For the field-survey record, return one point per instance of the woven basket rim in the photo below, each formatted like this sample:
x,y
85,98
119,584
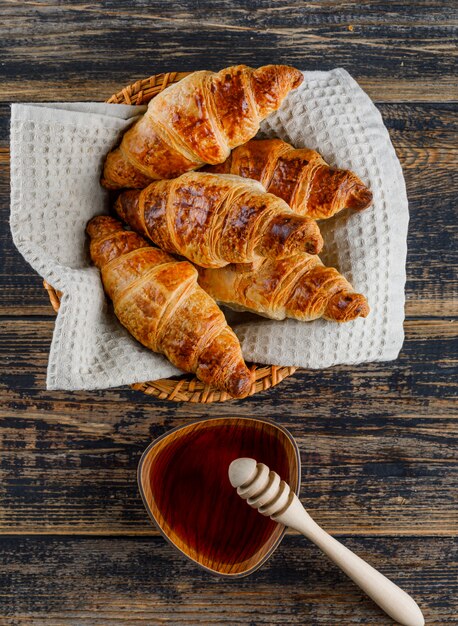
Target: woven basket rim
x,y
187,388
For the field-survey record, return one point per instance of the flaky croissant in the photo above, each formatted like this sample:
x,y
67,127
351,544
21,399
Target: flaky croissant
x,y
300,287
214,219
301,177
197,120
158,300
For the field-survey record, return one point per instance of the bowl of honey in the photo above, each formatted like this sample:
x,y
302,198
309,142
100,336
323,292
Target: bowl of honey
x,y
183,480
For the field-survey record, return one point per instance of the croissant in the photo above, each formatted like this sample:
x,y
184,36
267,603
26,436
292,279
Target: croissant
x,y
301,177
158,300
196,121
214,220
300,287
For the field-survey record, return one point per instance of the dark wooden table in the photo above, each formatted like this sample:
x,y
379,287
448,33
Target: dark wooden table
x,y
378,441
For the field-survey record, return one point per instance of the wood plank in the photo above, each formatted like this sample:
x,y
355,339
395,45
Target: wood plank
x,y
378,441
85,581
406,54
424,135
421,125
69,87
268,14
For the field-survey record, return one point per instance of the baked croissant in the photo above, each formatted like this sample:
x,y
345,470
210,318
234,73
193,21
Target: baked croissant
x,y
214,220
158,300
196,121
300,287
300,176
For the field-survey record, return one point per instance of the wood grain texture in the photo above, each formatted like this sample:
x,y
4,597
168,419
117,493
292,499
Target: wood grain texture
x,y
378,441
144,581
406,53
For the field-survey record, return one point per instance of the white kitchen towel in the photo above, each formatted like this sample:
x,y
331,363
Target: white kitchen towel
x,y
57,152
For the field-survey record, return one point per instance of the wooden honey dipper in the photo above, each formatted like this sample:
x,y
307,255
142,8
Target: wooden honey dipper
x,y
271,496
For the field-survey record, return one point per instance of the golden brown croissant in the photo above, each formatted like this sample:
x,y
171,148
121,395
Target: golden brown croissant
x,y
214,219
158,300
300,176
196,121
300,287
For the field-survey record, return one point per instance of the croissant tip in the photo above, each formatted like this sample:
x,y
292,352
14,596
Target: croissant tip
x,y
315,244
297,78
107,183
363,309
346,306
239,385
292,76
360,198
101,224
312,237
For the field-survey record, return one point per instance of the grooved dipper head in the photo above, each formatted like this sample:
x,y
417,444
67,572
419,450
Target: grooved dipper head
x,y
242,471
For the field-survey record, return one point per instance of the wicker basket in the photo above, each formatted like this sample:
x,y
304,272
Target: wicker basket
x,y
186,388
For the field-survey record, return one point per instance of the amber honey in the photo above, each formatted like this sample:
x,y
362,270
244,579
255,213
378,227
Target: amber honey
x,y
192,494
